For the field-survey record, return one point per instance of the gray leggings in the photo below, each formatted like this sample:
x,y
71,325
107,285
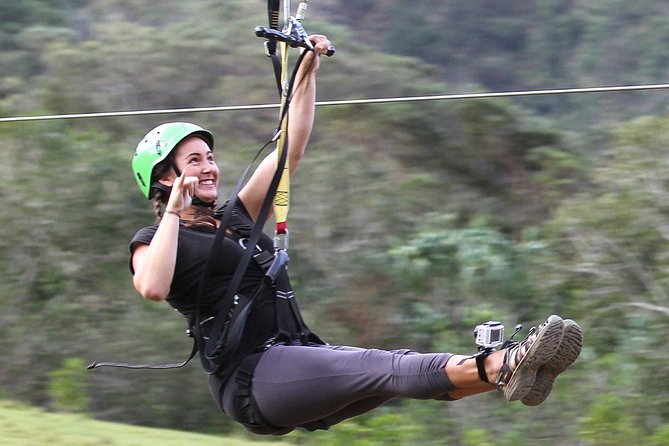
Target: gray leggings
x,y
317,387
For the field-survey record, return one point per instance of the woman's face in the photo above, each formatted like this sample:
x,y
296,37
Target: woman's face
x,y
194,158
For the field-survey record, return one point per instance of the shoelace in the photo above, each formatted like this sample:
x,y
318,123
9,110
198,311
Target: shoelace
x,y
505,372
510,343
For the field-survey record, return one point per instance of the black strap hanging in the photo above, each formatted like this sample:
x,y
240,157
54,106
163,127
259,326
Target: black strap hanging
x,y
291,325
211,355
270,45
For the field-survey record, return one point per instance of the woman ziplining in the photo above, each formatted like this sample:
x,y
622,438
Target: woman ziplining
x,y
266,369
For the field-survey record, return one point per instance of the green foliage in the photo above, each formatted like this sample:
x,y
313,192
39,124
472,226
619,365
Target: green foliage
x,y
608,422
15,15
67,386
505,46
469,262
385,426
478,437
659,437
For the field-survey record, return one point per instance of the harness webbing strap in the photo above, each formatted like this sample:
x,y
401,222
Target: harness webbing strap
x,y
289,318
216,250
273,7
282,197
270,45
209,355
246,408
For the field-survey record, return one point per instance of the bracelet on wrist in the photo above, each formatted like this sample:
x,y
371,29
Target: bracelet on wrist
x,y
173,212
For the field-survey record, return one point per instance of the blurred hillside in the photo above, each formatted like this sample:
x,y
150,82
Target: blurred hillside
x,y
411,222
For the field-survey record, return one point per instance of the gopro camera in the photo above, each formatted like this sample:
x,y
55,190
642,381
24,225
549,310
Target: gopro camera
x,y
489,334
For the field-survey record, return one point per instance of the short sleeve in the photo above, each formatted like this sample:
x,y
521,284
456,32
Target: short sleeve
x,y
141,237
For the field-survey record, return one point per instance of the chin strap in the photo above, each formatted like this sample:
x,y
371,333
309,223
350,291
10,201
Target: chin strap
x,y
161,187
203,204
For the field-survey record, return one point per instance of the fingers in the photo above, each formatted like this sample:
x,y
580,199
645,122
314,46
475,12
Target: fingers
x,y
321,43
190,183
183,189
184,183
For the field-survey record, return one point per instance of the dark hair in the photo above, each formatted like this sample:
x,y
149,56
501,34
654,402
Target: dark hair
x,y
160,196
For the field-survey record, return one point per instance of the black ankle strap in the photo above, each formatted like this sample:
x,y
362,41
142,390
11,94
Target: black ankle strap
x,y
480,365
480,362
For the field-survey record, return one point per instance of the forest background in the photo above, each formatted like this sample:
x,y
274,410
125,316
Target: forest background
x,y
411,222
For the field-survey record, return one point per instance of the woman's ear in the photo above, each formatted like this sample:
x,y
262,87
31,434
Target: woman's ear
x,y
167,180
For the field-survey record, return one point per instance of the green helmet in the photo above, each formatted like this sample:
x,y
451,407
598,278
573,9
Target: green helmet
x,y
157,145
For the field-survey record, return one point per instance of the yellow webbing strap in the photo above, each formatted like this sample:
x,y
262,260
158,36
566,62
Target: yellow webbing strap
x,y
282,197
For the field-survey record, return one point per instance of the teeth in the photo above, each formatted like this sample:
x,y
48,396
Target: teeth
x,y
207,182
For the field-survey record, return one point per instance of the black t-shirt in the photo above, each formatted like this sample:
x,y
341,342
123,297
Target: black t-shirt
x,y
193,249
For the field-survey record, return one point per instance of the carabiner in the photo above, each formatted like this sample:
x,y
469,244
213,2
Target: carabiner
x,y
281,240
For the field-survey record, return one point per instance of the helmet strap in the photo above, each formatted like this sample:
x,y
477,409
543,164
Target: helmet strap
x,y
161,187
202,204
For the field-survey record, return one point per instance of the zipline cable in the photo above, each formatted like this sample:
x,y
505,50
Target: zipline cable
x,y
446,97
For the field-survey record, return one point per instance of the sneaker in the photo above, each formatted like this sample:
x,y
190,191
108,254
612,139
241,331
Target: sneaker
x,y
566,354
523,359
